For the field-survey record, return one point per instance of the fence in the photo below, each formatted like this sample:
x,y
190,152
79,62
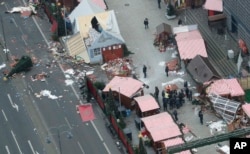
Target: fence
x,y
52,19
112,119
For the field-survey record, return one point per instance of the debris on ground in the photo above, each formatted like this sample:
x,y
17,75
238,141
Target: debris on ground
x,y
118,67
48,94
40,76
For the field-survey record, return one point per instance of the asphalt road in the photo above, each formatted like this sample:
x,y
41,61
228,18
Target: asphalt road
x,y
39,118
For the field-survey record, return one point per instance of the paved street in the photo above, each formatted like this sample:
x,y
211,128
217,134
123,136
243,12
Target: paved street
x,y
41,117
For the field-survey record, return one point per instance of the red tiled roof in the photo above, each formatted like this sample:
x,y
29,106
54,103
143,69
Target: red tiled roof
x,y
246,109
175,141
190,44
146,103
226,87
161,126
127,86
214,5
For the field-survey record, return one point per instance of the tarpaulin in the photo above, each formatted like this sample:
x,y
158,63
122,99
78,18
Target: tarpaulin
x,y
86,112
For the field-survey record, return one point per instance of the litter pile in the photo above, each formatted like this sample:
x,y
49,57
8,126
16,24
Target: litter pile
x,y
118,67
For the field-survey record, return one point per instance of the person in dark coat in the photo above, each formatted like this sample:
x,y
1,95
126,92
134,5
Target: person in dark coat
x,y
146,23
163,93
171,103
175,115
165,103
190,95
144,70
179,22
156,92
201,116
166,70
177,103
185,84
159,4
187,92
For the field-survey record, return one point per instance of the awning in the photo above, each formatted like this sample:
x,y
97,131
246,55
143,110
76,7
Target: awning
x,y
126,86
190,44
147,103
224,87
214,5
246,109
173,142
161,126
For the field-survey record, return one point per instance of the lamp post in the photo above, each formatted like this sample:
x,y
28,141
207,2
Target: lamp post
x,y
58,134
5,50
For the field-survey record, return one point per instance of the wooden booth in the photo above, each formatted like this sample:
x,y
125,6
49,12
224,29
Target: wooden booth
x,y
160,127
125,89
146,105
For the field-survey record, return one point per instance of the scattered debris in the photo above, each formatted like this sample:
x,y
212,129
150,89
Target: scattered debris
x,y
69,82
118,67
47,93
40,76
2,66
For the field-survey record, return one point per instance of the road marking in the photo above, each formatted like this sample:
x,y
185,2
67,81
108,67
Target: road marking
x,y
7,149
13,135
67,122
31,147
98,133
106,147
4,115
13,104
80,146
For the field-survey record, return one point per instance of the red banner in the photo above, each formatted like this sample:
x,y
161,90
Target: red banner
x,y
86,112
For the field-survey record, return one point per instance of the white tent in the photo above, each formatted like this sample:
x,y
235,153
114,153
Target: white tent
x,y
84,8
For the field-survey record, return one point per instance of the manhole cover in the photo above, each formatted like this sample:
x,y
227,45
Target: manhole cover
x,y
126,4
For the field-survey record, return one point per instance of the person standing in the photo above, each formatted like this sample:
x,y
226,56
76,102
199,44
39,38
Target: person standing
x,y
201,116
179,22
165,103
144,70
156,92
166,70
175,115
146,23
159,4
190,95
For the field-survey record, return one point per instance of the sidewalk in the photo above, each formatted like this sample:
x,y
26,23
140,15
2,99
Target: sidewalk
x,y
130,15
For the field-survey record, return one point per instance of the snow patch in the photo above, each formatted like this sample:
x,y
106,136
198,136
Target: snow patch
x,y
69,82
2,66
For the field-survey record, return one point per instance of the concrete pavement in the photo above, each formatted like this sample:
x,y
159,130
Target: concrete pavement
x,y
130,15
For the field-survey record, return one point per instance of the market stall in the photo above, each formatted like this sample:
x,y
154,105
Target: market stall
x,y
172,142
146,105
228,109
160,127
125,89
162,36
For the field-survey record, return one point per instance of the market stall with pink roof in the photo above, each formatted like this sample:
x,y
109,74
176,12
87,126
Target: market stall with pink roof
x,y
172,142
146,105
190,42
160,127
228,88
125,88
